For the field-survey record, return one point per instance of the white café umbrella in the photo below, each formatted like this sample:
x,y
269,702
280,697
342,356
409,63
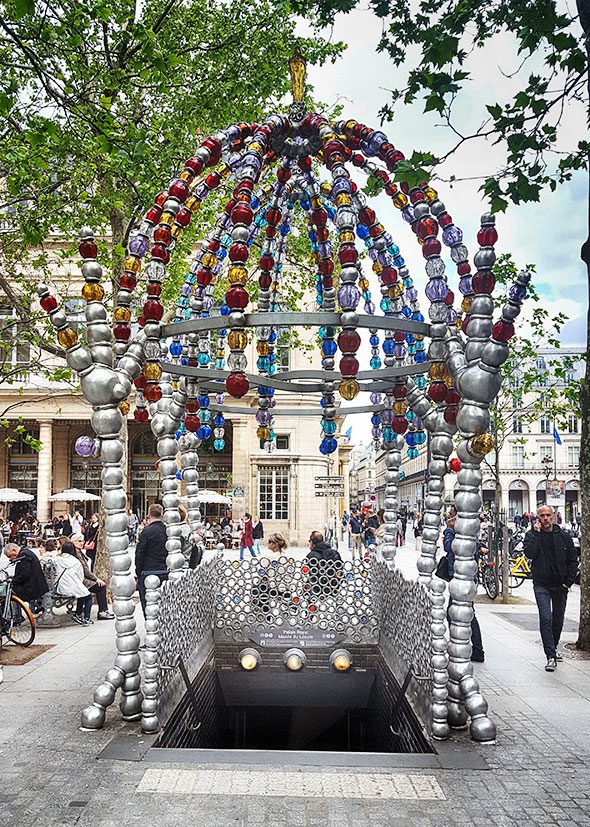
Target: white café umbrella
x,y
12,495
74,495
207,496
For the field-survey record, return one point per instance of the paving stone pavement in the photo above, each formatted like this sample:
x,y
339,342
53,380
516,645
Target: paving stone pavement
x,y
539,770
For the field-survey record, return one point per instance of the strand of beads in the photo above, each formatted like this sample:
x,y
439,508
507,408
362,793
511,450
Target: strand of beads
x,y
149,706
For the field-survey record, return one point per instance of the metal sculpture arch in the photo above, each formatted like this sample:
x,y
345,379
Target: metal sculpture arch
x,y
180,372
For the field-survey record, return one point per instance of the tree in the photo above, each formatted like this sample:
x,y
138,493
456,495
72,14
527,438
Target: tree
x,y
541,151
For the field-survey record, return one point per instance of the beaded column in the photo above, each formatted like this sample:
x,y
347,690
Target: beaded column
x,y
151,674
392,463
439,660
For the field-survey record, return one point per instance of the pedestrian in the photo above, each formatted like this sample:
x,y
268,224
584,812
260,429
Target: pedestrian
x,y
257,533
91,539
132,523
324,567
399,532
477,652
77,522
28,581
93,583
356,539
524,521
246,540
70,582
554,563
382,527
558,518
517,520
150,554
186,535
371,524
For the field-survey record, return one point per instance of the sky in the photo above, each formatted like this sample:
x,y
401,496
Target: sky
x,y
548,234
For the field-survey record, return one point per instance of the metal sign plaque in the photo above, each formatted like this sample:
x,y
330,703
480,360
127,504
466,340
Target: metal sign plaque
x,y
302,638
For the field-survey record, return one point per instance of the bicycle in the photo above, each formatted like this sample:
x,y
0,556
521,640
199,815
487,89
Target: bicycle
x,y
486,571
16,619
519,570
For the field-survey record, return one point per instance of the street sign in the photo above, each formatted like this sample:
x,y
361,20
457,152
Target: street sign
x,y
330,485
338,494
335,478
301,637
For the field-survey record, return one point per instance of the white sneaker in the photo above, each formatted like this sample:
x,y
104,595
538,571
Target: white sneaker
x,y
551,665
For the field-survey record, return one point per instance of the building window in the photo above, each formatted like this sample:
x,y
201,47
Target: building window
x,y
545,452
573,455
516,401
145,444
283,356
572,424
516,425
545,425
570,375
23,477
518,456
282,441
274,492
14,348
541,364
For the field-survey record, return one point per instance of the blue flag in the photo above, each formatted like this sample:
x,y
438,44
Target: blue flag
x,y
556,436
348,433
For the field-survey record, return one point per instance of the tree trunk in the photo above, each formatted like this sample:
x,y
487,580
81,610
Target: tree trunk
x,y
583,641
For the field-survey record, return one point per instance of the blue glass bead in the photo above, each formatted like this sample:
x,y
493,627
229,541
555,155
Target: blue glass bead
x,y
411,438
420,437
184,360
178,434
328,426
394,250
328,445
175,349
203,358
406,312
203,401
385,305
362,231
375,363
412,453
410,338
273,337
374,341
399,261
411,349
329,347
219,420
254,202
263,363
219,444
319,300
222,332
420,357
417,316
204,432
375,420
220,364
366,295
225,310
410,415
420,381
388,346
204,415
389,435
402,475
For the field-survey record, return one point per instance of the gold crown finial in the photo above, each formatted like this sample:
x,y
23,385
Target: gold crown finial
x,y
297,66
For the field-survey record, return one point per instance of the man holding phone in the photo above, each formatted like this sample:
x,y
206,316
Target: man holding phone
x,y
554,566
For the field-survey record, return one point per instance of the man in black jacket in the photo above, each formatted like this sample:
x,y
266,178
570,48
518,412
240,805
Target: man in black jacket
x,y
150,553
554,566
325,567
29,581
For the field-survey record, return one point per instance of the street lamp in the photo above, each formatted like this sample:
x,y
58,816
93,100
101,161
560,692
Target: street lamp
x,y
547,464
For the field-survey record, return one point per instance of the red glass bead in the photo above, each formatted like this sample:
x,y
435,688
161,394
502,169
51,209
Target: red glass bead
x,y
453,396
450,414
162,234
154,289
305,164
455,464
266,262
237,385
416,195
152,393
445,219
349,366
349,341
204,277
141,320
398,336
348,254
153,215
399,424
212,180
242,214
273,215
388,275
376,230
230,205
437,391
283,175
483,282
463,268
503,331
140,414
393,158
328,282
139,382
399,391
161,253
431,248
367,216
265,280
88,249
194,165
153,310
326,267
48,303
331,147
192,423
271,231
193,362
214,147
179,189
322,233
183,219
487,236
450,298
237,298
161,198
192,406
121,332
319,217
427,227
358,160
238,252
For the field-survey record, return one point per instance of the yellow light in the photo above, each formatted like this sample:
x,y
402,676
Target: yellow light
x,y
294,660
249,659
341,660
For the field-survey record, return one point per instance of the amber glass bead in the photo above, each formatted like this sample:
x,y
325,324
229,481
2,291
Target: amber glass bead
x,y
343,199
176,231
263,433
237,340
400,200
396,290
124,408
346,237
348,389
193,203
92,292
437,370
208,260
263,348
399,408
481,445
132,264
67,337
167,219
430,194
122,314
363,284
152,371
466,304
237,275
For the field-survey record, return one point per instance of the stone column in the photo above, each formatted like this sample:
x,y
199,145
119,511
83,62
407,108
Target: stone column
x,y
241,468
44,471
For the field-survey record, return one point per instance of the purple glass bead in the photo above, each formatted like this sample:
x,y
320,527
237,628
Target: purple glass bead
x,y
219,399
217,268
517,292
408,214
207,304
387,416
262,417
376,398
341,185
325,249
84,446
451,316
272,402
418,424
199,292
373,253
465,285
348,297
375,432
452,235
436,290
411,294
186,289
384,258
399,350
139,245
202,191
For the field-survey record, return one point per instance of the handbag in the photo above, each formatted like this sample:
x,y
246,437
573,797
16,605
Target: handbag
x,y
442,569
89,545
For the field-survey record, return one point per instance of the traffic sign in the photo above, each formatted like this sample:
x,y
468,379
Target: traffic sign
x,y
334,478
337,494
